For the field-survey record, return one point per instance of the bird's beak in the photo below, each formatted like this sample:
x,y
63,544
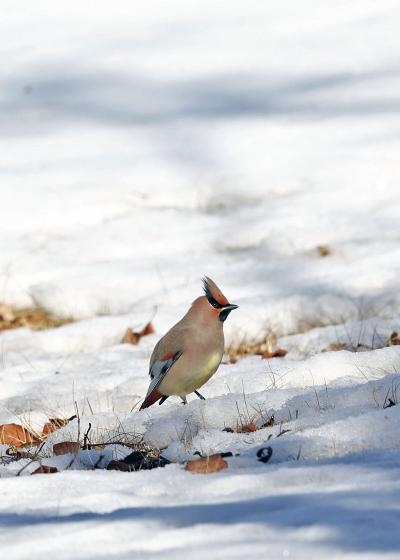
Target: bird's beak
x,y
226,310
230,307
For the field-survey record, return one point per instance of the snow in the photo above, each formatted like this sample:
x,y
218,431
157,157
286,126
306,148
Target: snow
x,y
143,147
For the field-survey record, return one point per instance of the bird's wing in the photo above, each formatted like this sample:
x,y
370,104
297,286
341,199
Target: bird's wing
x,y
166,352
158,370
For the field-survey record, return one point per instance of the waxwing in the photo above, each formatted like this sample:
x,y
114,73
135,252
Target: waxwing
x,y
187,356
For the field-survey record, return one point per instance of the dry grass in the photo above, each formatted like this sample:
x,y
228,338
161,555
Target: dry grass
x,y
31,317
242,349
355,345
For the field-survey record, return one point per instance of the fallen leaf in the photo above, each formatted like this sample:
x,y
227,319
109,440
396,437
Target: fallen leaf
x,y
270,422
55,424
17,436
148,329
66,447
394,339
247,428
149,462
207,465
324,250
278,353
44,469
131,337
120,466
137,461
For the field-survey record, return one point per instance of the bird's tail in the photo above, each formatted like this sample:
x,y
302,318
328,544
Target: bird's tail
x,y
154,396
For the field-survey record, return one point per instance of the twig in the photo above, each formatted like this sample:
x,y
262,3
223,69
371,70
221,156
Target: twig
x,y
33,458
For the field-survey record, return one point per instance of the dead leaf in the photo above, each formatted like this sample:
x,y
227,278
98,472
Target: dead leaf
x,y
324,250
131,337
119,466
247,428
269,423
17,436
66,447
394,339
137,461
207,465
44,469
278,353
148,329
55,424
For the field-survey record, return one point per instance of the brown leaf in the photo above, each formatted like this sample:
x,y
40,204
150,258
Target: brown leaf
x,y
119,466
247,428
17,436
44,469
66,447
131,337
270,422
148,329
278,353
207,465
324,250
48,428
55,424
394,339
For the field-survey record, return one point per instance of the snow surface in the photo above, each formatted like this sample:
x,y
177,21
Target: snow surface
x,y
143,146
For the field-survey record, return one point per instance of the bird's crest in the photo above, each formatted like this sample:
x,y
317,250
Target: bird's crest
x,y
214,295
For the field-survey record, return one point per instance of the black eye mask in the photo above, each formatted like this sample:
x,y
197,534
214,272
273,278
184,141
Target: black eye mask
x,y
224,314
211,300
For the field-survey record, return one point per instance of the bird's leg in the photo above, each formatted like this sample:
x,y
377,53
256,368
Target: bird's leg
x,y
200,396
184,400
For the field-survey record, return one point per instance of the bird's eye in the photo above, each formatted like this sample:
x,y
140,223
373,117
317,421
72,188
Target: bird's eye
x,y
215,303
211,299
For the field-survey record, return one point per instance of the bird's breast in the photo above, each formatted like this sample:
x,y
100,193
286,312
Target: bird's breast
x,y
209,366
191,371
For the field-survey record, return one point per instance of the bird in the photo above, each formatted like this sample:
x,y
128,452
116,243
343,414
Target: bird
x,y
189,354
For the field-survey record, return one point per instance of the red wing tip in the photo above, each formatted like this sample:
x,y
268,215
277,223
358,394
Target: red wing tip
x,y
154,396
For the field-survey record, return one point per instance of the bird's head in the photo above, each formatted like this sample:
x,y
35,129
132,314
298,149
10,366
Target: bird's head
x,y
215,300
